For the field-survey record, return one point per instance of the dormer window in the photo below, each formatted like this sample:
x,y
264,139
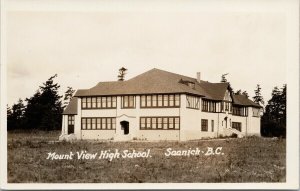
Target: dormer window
x,y
188,83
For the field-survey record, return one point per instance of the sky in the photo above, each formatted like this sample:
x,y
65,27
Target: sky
x,y
86,47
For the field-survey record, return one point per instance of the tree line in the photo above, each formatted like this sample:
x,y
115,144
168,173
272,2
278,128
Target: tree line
x,y
42,111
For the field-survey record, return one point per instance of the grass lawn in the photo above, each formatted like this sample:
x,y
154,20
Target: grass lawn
x,y
250,159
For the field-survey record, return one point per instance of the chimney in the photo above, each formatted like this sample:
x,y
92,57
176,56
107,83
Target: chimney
x,y
198,77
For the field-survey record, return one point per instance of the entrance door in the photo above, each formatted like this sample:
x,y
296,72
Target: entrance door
x,y
71,120
125,127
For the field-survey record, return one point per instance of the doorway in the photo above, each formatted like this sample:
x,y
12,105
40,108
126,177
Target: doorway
x,y
125,127
71,120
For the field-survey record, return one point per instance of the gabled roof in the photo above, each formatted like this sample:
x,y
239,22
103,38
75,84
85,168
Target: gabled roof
x,y
244,101
71,109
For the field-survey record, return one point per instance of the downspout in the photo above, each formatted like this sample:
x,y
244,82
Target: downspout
x,y
218,124
247,122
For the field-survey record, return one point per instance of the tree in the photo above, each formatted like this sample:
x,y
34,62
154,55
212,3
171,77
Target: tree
x,y
15,115
33,111
44,108
239,92
245,94
223,77
68,96
122,73
274,118
258,97
51,105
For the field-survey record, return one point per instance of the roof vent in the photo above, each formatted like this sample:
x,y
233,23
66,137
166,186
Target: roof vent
x,y
198,77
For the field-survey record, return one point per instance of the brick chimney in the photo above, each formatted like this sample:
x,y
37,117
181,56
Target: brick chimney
x,y
198,77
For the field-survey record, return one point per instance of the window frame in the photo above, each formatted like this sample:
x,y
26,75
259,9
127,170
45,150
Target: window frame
x,y
98,123
160,123
204,125
129,104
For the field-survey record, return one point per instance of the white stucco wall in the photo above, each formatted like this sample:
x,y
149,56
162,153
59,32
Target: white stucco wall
x,y
98,134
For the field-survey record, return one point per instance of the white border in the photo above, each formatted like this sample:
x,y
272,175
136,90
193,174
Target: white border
x,y
290,8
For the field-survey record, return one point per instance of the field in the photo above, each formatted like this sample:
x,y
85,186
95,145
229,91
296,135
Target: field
x,y
250,159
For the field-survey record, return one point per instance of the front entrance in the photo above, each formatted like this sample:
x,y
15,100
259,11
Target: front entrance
x,y
125,127
71,119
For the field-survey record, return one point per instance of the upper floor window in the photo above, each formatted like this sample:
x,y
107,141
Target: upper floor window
x,y
212,106
240,111
256,112
128,101
192,102
204,105
99,102
160,100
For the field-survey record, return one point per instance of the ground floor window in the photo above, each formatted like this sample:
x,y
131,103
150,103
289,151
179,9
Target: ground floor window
x,y
212,125
237,126
159,123
204,125
98,123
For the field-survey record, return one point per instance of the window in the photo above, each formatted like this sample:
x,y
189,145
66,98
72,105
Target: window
x,y
171,100
165,123
128,101
177,100
148,123
88,123
159,98
204,105
159,123
83,102
93,123
142,123
83,123
192,102
114,102
237,126
143,101
108,99
153,123
113,123
162,123
88,102
212,125
99,123
71,119
150,101
108,123
212,106
166,101
176,122
256,112
204,125
154,100
240,111
99,102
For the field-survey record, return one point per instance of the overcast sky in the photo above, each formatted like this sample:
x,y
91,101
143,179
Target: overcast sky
x,y
84,48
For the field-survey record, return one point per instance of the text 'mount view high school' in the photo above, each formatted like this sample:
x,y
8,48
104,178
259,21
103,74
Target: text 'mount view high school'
x,y
159,105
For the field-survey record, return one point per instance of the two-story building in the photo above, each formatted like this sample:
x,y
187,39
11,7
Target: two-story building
x,y
159,105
